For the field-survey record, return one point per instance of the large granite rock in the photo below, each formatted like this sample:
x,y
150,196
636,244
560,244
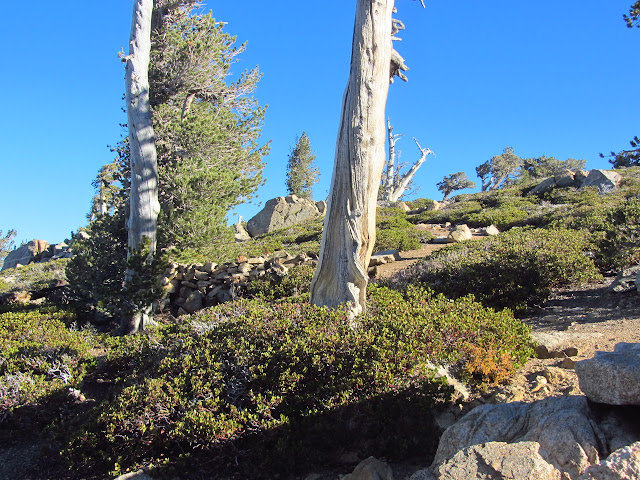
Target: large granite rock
x,y
281,212
625,281
623,464
25,254
498,460
604,180
563,428
612,377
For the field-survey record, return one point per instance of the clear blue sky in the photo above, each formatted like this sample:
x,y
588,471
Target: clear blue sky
x,y
548,78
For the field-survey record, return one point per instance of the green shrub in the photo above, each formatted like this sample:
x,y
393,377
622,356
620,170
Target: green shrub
x,y
96,272
40,357
296,282
420,203
34,276
395,232
255,389
301,238
516,269
620,247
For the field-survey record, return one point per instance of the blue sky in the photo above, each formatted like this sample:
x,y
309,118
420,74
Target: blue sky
x,y
548,78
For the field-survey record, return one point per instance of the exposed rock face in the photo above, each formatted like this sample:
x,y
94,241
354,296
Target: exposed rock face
x,y
612,377
623,464
498,460
322,207
281,212
460,233
605,180
25,254
562,427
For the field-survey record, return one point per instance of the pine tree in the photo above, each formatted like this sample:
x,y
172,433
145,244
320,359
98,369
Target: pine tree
x,y
207,128
301,173
453,182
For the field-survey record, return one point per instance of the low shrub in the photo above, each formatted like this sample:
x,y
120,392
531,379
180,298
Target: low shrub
x,y
271,288
395,232
40,357
516,269
34,276
257,389
620,247
301,238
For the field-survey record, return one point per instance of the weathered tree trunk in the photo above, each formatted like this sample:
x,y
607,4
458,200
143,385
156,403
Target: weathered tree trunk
x,y
143,201
398,187
349,228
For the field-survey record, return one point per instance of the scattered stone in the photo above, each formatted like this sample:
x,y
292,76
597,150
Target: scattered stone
x,y
558,344
193,303
568,363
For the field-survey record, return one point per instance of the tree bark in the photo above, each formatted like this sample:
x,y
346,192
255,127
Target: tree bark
x,y
349,228
143,201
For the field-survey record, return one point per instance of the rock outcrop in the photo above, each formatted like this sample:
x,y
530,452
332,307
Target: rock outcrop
x,y
281,212
604,180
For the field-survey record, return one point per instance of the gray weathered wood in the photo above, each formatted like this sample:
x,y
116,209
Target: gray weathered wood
x,y
143,201
349,229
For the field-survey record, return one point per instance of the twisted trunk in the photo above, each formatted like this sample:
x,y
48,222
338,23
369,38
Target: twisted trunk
x,y
349,228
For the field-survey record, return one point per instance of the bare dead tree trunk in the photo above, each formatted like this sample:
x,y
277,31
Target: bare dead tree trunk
x,y
394,185
400,185
349,228
143,201
389,174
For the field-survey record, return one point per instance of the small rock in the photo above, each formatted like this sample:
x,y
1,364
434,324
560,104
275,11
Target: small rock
x,y
568,363
491,230
193,303
371,469
555,375
461,233
539,383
